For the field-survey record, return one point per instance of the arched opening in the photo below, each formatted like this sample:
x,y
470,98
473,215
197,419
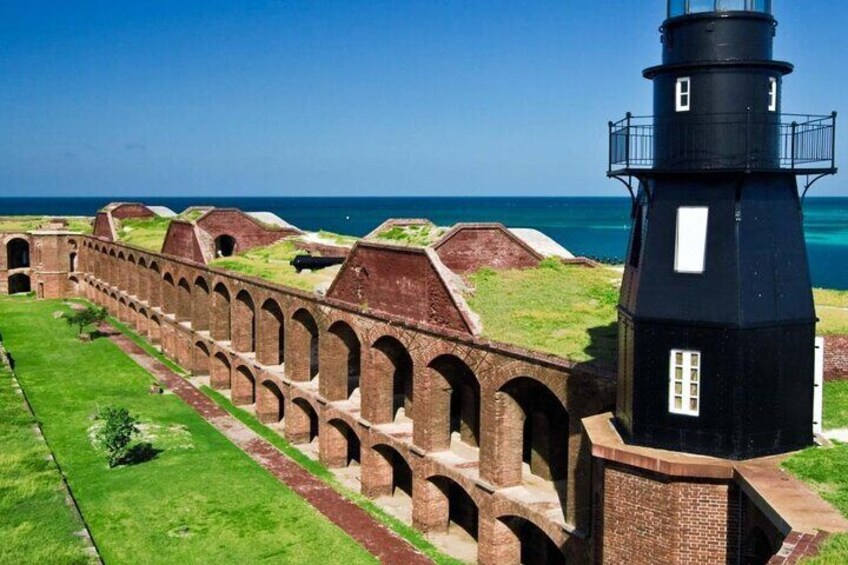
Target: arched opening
x,y
455,511
154,284
220,376
200,365
143,322
271,405
340,445
392,371
132,276
221,310
386,473
133,316
17,254
183,301
19,283
302,354
244,323
535,419
169,294
455,403
122,272
143,280
225,246
301,422
112,271
535,545
270,347
243,387
72,262
341,362
200,305
154,329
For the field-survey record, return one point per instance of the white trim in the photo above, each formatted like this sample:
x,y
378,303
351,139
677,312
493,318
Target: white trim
x,y
690,247
684,382
772,94
683,94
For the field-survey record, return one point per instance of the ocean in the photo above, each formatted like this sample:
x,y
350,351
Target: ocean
x,y
596,227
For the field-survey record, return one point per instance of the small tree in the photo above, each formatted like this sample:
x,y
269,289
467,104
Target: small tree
x,y
83,318
117,432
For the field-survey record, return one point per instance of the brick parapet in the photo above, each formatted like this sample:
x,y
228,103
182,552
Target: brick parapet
x,y
835,357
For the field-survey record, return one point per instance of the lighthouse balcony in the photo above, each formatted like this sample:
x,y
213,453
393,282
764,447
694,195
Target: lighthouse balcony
x,y
642,146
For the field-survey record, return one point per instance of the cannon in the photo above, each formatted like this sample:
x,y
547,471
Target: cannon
x,y
302,262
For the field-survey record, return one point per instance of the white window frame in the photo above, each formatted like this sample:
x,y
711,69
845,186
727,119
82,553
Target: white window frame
x,y
683,96
690,246
684,382
772,94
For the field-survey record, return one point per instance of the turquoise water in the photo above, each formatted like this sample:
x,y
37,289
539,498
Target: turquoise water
x,y
596,227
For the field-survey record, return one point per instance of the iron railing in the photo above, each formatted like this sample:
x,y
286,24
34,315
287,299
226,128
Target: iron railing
x,y
747,141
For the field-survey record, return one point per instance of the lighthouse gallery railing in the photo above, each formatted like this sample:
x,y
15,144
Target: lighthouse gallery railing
x,y
803,143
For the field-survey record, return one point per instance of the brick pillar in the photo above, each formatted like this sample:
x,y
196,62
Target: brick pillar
x,y
297,424
430,506
334,358
200,307
332,446
243,384
377,474
269,406
497,544
221,374
432,410
502,431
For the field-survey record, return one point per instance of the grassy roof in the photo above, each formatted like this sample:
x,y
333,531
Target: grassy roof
x,y
832,310
337,238
147,233
567,310
272,264
32,223
418,235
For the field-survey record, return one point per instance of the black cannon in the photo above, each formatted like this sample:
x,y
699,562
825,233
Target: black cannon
x,y
302,262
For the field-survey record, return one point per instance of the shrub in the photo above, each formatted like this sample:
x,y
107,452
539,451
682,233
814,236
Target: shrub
x,y
83,318
116,434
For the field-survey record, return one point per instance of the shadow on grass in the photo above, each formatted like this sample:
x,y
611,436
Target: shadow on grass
x,y
141,452
603,346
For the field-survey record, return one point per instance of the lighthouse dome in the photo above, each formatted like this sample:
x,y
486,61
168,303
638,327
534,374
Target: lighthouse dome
x,y
686,7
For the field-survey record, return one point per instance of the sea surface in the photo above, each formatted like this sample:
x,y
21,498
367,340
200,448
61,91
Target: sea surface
x,y
596,227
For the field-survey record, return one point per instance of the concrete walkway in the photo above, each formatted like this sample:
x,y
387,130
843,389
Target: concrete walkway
x,y
356,522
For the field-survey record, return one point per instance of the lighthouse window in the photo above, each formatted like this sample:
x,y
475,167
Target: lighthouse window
x,y
684,395
772,94
683,92
691,245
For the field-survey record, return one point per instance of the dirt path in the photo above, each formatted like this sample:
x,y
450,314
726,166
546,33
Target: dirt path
x,y
361,526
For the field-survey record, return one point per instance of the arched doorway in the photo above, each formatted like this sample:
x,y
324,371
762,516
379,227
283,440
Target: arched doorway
x,y
17,254
19,283
391,370
225,246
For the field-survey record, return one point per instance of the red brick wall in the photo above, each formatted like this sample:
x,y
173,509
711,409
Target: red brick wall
x,y
472,247
181,241
132,211
246,232
397,281
835,357
321,248
101,226
648,519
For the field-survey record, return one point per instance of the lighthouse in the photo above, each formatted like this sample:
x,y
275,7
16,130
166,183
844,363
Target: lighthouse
x,y
716,314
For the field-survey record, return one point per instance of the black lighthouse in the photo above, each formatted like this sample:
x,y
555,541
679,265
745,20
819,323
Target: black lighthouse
x,y
717,322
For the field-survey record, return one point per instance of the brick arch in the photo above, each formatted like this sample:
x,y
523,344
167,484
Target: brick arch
x,y
302,343
521,540
243,386
169,293
340,444
183,301
142,282
302,423
385,472
270,402
244,322
221,322
220,372
449,505
271,327
154,329
388,381
201,361
450,394
341,361
154,284
201,304
555,381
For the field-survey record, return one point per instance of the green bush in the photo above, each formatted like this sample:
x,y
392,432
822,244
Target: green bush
x,y
83,318
117,432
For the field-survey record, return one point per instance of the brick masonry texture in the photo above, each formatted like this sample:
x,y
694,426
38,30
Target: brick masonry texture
x,y
469,247
836,357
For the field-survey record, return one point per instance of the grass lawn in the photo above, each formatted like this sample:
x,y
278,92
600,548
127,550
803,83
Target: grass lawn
x,y
36,524
201,500
418,235
30,223
832,310
568,310
271,263
147,233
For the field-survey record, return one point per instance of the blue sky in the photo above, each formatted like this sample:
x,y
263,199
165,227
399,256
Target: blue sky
x,y
324,97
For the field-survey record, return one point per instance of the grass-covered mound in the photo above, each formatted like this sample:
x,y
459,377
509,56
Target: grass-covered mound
x,y
272,264
31,223
147,233
567,310
36,524
200,500
832,310
417,235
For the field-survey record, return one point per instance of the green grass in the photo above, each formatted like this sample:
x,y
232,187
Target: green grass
x,y
835,405
36,524
317,469
30,223
567,310
419,235
272,264
338,238
147,233
201,500
832,310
